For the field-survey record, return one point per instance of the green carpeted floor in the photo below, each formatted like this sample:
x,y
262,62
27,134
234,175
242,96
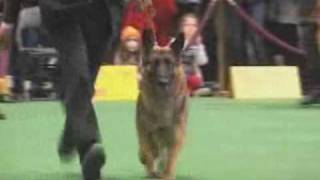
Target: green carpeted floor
x,y
226,140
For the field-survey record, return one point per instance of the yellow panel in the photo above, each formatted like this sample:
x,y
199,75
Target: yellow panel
x,y
116,83
4,86
265,82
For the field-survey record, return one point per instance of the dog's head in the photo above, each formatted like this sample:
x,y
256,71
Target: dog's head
x,y
161,65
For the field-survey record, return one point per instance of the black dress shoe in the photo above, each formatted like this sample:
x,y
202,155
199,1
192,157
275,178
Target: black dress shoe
x,y
92,162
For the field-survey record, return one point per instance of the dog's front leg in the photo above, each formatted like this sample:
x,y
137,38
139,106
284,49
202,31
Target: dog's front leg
x,y
173,151
147,158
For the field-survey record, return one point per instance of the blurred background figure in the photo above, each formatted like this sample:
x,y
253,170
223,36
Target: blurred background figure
x,y
310,29
255,45
283,19
246,46
4,62
130,51
188,6
160,15
116,9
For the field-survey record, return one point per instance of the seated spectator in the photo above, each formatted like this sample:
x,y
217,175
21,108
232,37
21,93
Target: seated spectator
x,y
28,27
195,56
7,28
129,52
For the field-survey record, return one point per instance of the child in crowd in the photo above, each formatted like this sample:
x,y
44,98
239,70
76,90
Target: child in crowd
x,y
129,52
195,56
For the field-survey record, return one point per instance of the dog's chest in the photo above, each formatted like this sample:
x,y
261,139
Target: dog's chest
x,y
159,113
164,110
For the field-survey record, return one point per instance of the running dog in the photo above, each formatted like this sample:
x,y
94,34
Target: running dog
x,y
161,114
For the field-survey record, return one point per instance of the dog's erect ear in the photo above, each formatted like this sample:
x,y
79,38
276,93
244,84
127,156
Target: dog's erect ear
x,y
178,44
148,42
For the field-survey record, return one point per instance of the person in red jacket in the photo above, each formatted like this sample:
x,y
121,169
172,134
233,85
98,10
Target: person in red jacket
x,y
161,13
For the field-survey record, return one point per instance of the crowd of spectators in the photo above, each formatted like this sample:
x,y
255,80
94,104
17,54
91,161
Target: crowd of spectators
x,y
294,21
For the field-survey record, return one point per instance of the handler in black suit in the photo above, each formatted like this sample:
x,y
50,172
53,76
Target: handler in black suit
x,y
81,31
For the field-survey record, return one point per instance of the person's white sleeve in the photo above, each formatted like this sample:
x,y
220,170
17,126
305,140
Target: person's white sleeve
x,y
201,55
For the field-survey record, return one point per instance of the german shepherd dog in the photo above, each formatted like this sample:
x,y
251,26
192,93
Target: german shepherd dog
x,y
161,115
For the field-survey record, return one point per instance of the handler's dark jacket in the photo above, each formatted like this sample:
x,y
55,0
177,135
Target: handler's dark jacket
x,y
12,7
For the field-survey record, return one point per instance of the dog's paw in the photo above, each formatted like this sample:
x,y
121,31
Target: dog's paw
x,y
166,176
142,158
154,175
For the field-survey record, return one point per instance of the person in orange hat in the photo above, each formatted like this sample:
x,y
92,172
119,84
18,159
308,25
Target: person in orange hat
x,y
129,52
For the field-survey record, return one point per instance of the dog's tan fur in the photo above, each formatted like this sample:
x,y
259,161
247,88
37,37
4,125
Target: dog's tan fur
x,y
161,115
